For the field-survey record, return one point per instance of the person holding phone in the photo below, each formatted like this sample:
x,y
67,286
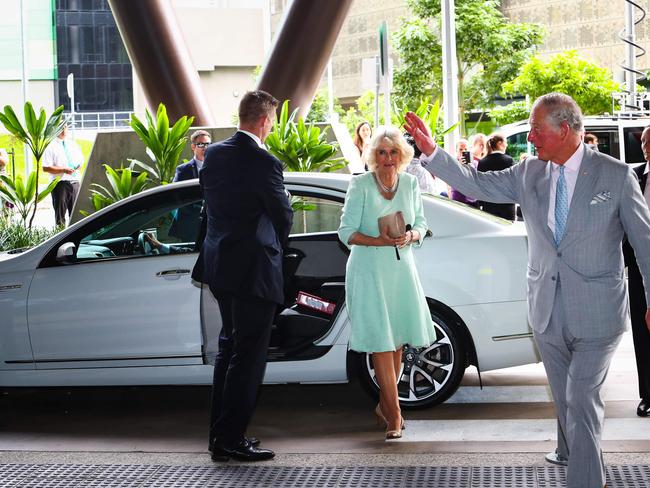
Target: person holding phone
x,y
63,158
383,294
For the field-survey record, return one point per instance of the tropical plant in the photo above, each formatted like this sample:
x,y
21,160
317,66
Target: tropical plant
x,y
38,133
24,196
14,235
164,144
123,183
430,114
301,147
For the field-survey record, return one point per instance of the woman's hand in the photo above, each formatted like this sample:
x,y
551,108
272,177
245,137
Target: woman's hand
x,y
407,238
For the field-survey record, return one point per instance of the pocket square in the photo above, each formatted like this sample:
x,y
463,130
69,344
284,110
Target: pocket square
x,y
603,196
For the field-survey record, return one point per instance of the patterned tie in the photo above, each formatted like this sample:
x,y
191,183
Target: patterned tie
x,y
561,207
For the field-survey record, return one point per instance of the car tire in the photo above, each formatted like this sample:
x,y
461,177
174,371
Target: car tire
x,y
434,371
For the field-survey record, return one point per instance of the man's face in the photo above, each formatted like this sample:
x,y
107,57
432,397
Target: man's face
x,y
548,139
64,132
267,126
645,144
199,146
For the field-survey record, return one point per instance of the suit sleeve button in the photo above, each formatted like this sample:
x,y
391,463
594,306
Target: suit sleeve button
x,y
559,255
552,278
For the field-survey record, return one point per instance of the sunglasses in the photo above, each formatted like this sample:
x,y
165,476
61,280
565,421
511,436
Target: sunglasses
x,y
201,145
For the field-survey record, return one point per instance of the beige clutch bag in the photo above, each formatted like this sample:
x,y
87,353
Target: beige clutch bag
x,y
392,224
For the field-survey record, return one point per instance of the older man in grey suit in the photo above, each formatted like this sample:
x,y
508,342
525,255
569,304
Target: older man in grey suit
x,y
578,205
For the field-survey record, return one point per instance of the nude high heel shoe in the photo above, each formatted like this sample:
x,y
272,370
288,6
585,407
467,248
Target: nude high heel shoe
x,y
395,434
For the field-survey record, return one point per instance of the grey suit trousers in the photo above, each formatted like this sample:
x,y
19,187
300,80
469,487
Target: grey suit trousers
x,y
576,371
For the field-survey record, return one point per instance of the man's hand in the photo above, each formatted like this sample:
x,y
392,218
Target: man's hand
x,y
418,129
647,319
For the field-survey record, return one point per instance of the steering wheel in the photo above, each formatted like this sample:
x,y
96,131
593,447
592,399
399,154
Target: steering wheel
x,y
145,245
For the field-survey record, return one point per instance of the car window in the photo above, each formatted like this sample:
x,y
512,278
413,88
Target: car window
x,y
315,214
632,140
518,145
163,228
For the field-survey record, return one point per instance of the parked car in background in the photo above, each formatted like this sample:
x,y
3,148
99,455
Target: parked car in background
x,y
618,137
110,301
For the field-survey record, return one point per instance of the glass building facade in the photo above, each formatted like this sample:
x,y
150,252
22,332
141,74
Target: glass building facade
x,y
89,46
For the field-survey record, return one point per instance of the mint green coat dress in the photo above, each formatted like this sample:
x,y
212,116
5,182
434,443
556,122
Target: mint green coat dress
x,y
384,297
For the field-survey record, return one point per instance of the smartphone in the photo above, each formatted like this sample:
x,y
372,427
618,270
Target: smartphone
x,y
467,157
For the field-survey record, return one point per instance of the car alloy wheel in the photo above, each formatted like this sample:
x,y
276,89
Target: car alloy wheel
x,y
429,375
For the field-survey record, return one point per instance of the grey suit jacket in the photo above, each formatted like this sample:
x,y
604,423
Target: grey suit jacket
x,y
606,204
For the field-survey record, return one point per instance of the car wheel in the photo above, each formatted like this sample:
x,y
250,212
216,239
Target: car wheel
x,y
429,375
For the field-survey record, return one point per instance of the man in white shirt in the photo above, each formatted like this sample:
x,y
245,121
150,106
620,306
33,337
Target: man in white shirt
x,y
63,158
578,206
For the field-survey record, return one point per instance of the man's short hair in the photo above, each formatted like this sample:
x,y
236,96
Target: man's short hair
x,y
561,108
256,104
590,138
198,133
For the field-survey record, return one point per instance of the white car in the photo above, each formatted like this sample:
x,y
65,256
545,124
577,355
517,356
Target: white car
x,y
98,305
618,137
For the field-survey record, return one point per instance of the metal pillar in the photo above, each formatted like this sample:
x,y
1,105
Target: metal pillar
x,y
158,52
302,49
449,73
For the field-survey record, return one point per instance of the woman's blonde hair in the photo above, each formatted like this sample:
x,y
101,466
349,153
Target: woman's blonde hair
x,y
394,138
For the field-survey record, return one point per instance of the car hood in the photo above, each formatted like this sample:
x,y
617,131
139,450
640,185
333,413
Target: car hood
x,y
4,256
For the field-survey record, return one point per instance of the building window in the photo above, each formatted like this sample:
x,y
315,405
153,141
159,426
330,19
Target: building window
x,y
89,45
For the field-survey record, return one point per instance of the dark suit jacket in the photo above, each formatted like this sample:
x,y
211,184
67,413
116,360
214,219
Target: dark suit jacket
x,y
497,162
248,220
186,171
186,224
635,282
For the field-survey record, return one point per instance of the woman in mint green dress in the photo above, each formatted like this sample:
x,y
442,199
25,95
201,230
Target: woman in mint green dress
x,y
384,297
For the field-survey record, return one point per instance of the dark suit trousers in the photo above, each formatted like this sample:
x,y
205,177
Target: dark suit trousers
x,y
640,332
240,364
63,197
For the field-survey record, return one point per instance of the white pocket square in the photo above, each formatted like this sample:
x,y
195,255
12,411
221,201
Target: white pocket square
x,y
603,196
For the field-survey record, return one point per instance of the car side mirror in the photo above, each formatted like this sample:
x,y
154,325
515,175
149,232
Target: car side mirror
x,y
65,253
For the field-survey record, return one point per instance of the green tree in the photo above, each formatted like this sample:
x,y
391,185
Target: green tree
x,y
588,84
489,50
510,113
365,111
319,110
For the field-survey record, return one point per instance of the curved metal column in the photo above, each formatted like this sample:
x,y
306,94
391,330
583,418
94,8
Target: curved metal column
x,y
157,49
302,49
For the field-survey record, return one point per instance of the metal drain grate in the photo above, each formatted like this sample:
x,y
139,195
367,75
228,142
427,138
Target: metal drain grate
x,y
242,476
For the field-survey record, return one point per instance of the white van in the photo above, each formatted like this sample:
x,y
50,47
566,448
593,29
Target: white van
x,y
620,138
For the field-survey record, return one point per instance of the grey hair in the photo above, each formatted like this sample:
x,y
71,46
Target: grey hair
x,y
561,108
198,133
394,137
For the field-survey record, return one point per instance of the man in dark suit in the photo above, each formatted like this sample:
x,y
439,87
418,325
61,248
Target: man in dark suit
x,y
188,221
200,140
249,220
497,160
640,332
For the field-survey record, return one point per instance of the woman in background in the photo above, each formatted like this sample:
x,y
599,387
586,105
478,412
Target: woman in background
x,y
362,135
496,160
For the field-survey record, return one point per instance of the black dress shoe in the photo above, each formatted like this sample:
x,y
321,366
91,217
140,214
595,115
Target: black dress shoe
x,y
244,451
643,409
253,440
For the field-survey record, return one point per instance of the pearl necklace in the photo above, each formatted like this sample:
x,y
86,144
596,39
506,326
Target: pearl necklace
x,y
391,189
